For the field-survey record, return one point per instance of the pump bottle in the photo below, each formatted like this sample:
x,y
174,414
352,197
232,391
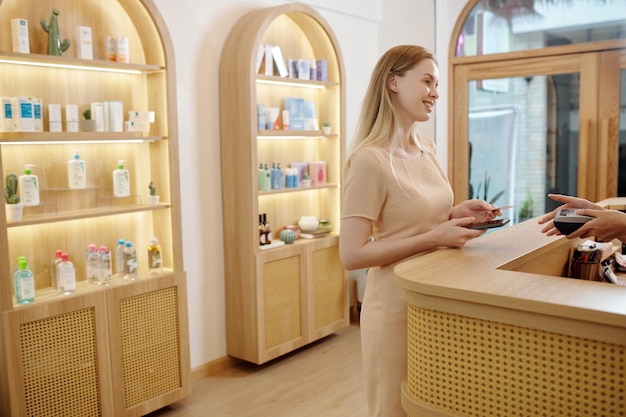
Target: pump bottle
x,y
29,187
121,180
76,172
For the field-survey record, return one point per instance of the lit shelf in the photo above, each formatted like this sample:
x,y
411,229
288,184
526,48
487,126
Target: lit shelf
x,y
298,242
62,62
293,82
42,138
295,190
292,134
49,294
28,220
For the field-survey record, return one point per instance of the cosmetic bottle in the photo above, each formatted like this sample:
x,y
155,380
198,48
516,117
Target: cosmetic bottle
x,y
29,187
66,275
92,264
155,261
24,282
105,273
76,172
130,262
119,258
121,180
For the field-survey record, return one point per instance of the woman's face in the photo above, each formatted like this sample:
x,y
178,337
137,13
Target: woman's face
x,y
415,92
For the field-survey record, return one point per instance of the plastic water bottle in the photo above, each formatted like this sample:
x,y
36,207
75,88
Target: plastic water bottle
x,y
92,264
24,281
106,273
66,275
53,268
130,262
119,258
155,261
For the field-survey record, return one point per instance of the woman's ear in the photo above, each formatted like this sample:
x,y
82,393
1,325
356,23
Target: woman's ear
x,y
392,83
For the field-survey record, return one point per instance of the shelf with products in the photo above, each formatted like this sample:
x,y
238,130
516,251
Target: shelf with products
x,y
71,219
305,275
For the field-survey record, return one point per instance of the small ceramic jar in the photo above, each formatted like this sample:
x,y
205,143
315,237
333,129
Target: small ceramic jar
x,y
308,223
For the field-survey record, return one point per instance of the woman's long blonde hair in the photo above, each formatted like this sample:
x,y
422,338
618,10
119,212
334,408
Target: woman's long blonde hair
x,y
377,121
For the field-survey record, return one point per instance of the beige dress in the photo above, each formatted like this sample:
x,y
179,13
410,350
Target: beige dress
x,y
402,197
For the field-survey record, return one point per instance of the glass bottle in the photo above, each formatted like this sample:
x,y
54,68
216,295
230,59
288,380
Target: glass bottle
x,y
119,258
92,264
130,262
155,261
53,268
106,273
24,282
66,275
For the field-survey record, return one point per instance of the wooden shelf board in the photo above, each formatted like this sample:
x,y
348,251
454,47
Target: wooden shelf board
x,y
53,137
85,214
64,62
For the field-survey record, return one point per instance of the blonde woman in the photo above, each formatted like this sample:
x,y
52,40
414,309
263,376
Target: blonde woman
x,y
397,204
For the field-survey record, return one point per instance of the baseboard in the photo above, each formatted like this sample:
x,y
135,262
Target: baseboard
x,y
213,367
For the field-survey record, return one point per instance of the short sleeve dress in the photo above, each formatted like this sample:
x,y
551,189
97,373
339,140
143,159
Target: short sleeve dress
x,y
402,197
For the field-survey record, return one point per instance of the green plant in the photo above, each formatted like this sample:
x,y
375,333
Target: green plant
x,y
526,210
10,190
87,114
153,191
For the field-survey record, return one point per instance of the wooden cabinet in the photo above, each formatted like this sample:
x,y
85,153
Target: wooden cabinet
x,y
282,298
104,350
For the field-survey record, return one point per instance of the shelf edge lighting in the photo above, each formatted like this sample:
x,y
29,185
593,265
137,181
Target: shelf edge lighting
x,y
290,84
69,66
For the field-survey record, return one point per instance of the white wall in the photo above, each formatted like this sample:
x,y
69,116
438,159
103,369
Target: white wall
x,y
198,29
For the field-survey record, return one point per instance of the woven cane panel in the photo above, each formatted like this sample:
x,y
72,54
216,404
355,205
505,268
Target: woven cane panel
x,y
60,366
281,290
328,287
480,368
150,345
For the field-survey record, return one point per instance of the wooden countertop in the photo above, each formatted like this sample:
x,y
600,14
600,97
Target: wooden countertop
x,y
517,269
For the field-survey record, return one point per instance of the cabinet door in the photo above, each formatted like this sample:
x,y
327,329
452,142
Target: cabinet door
x,y
57,358
149,344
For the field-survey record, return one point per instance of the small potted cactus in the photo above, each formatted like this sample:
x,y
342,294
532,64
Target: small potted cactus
x,y
13,207
326,128
306,179
153,198
87,124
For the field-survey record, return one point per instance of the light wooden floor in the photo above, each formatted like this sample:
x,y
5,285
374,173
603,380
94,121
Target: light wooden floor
x,y
324,379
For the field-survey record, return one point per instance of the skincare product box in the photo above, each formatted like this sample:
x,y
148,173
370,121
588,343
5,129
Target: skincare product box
x,y
261,120
304,69
260,54
295,107
269,61
310,116
85,44
6,115
109,47
22,112
301,168
279,61
55,123
97,114
38,114
19,36
71,117
114,111
272,115
317,172
293,68
322,70
138,121
122,49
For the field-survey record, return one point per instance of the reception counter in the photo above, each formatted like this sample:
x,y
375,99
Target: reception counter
x,y
494,329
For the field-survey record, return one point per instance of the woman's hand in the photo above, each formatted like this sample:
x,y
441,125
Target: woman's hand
x,y
569,202
479,209
605,226
455,233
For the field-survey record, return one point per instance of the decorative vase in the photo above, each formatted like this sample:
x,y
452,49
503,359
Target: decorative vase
x,y
55,46
153,200
287,236
308,223
14,212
